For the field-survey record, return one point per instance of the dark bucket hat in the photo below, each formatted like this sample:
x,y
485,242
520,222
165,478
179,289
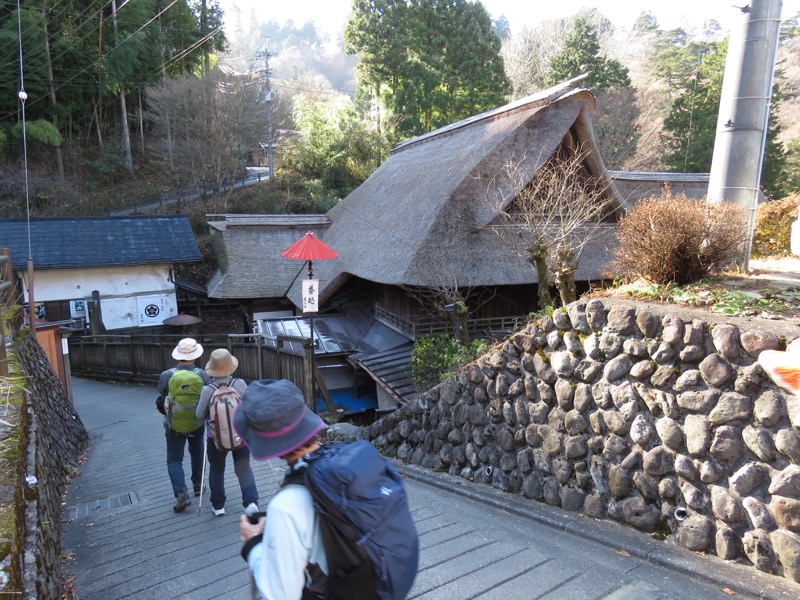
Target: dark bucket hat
x,y
273,419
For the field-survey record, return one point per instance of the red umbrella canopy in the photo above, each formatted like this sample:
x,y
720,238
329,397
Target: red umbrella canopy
x,y
309,247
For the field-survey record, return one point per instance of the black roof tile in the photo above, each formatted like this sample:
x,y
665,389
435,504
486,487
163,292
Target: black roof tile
x,y
99,241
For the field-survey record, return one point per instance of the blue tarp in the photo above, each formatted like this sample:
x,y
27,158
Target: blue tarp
x,y
343,398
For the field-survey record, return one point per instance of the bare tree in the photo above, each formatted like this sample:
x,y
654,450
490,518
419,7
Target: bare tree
x,y
215,123
441,293
557,212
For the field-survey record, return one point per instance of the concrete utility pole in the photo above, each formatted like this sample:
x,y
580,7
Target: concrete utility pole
x,y
268,97
743,120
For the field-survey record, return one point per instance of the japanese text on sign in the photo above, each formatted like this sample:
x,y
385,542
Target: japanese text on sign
x,y
310,295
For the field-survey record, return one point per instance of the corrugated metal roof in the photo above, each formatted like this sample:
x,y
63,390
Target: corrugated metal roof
x,y
391,370
382,352
333,334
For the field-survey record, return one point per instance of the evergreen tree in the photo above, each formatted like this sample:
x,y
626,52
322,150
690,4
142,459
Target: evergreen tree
x,y
690,128
428,62
581,54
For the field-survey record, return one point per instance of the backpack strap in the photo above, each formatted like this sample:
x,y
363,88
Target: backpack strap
x,y
216,384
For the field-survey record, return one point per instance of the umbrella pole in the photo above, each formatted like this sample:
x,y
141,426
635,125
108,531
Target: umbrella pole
x,y
313,356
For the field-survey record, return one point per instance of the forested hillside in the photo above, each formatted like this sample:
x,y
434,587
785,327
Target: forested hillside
x,y
132,102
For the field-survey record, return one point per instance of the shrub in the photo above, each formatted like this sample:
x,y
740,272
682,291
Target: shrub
x,y
673,239
437,357
773,229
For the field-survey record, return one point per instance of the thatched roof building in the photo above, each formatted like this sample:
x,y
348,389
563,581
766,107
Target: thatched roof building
x,y
422,218
248,251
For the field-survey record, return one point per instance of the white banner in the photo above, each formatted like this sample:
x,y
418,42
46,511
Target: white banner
x,y
152,310
310,295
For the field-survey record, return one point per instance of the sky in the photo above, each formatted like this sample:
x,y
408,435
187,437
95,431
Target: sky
x,y
332,15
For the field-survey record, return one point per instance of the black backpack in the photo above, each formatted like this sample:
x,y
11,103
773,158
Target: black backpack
x,y
370,539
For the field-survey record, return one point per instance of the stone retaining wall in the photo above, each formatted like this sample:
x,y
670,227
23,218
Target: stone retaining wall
x,y
52,438
663,423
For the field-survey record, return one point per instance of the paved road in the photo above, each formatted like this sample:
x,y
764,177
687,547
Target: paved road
x,y
255,176
126,542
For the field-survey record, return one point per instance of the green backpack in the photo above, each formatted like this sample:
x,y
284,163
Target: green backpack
x,y
181,402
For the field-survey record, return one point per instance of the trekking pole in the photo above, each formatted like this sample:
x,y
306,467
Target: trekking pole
x,y
203,471
274,472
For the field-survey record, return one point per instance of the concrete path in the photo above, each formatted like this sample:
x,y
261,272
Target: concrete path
x,y
124,541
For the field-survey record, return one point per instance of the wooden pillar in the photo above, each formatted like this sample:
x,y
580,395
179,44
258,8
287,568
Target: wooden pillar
x,y
308,373
6,284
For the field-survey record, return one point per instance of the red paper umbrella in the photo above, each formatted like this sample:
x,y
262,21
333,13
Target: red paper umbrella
x,y
309,247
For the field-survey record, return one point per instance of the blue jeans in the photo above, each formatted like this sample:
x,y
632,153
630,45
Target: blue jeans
x,y
216,474
175,445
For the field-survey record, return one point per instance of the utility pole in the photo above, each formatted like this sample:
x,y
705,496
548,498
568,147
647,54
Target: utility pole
x,y
266,55
743,122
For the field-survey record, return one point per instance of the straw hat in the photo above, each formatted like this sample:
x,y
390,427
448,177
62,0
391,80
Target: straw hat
x,y
221,363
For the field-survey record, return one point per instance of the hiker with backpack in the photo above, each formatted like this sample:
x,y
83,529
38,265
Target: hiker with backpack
x,y
339,527
179,392
216,406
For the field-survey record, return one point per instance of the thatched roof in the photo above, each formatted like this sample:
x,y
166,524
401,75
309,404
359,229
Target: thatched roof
x,y
422,216
248,249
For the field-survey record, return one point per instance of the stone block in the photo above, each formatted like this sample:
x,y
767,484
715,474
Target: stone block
x,y
725,506
728,544
696,533
572,499
759,441
769,408
640,514
670,433
699,401
787,442
716,370
726,341
658,461
759,514
787,548
731,407
594,507
642,429
698,434
727,444
786,512
749,477
620,482
758,549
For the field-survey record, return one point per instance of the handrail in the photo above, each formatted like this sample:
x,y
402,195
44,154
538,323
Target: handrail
x,y
430,325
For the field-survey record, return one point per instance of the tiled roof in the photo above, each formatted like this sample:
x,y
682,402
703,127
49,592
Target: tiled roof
x,y
99,241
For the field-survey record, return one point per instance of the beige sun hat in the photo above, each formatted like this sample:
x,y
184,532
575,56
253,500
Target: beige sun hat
x,y
187,349
222,363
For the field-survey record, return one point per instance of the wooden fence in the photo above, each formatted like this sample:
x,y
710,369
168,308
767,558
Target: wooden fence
x,y
139,358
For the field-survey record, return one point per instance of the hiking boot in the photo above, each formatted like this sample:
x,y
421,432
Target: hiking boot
x,y
197,489
181,502
218,512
